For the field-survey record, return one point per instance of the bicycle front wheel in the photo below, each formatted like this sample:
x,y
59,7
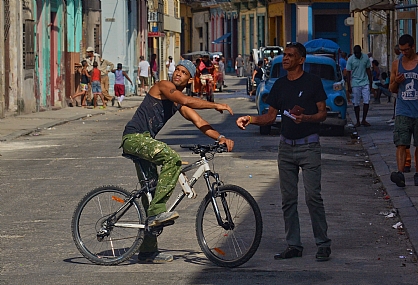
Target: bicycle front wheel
x,y
236,241
103,237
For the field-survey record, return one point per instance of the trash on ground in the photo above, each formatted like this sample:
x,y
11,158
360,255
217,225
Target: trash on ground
x,y
398,225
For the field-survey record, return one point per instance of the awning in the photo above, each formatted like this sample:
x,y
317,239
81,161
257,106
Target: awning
x,y
220,40
360,5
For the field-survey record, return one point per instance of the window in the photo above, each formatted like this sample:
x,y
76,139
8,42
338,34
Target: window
x,y
325,23
324,71
28,44
200,31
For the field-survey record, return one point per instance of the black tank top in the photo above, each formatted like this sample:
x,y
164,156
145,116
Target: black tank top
x,y
151,116
84,79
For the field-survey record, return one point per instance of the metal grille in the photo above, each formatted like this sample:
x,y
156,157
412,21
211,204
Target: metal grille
x,y
6,19
29,44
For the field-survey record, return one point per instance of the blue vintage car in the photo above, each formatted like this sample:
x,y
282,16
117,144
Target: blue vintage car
x,y
323,65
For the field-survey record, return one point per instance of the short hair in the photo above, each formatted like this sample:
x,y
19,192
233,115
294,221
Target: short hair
x,y
119,66
299,47
95,64
141,57
375,62
406,39
260,63
384,75
83,62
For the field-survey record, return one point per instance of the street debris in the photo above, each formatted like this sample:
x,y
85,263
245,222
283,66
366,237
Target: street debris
x,y
398,225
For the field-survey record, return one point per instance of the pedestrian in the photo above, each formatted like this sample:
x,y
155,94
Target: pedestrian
x,y
105,67
91,57
154,69
239,65
119,87
257,76
171,66
83,88
96,86
197,84
164,99
302,95
143,73
359,82
222,69
404,82
375,81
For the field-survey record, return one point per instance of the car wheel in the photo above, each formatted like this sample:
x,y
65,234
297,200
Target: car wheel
x,y
265,130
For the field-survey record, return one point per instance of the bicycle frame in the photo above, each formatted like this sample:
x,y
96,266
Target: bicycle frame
x,y
203,168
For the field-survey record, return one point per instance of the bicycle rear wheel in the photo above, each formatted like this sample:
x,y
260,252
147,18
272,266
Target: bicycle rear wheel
x,y
236,242
104,240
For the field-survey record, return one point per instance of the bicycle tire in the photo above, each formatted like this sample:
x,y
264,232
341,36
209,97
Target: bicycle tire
x,y
233,247
92,210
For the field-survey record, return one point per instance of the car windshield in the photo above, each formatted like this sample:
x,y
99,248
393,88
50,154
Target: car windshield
x,y
322,70
266,52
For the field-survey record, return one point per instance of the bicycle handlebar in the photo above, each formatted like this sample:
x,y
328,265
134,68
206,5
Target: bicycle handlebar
x,y
203,149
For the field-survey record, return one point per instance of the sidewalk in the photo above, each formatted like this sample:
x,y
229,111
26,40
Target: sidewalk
x,y
378,142
13,127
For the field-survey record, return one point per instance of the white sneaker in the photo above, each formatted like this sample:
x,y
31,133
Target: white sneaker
x,y
390,121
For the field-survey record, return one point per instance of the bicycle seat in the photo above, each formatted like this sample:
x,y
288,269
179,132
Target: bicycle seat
x,y
134,158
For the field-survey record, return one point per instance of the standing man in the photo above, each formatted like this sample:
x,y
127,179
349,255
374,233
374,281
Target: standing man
x,y
239,65
91,57
404,82
143,73
105,67
359,82
303,96
222,69
171,66
164,99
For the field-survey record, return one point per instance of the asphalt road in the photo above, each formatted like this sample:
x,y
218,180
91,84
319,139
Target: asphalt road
x,y
44,176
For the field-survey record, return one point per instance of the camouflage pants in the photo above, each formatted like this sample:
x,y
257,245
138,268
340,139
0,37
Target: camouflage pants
x,y
154,153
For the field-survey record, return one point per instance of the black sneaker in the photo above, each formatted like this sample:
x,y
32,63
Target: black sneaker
x,y
113,101
155,257
289,252
416,179
398,178
323,253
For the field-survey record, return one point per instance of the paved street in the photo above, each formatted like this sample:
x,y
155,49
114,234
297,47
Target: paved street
x,y
45,173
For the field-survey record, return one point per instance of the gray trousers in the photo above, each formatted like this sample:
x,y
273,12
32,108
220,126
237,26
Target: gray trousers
x,y
307,157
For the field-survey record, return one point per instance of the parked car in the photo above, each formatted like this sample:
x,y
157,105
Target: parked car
x,y
328,70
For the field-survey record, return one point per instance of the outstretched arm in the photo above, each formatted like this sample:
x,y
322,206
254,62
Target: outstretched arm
x,y
168,90
205,127
127,77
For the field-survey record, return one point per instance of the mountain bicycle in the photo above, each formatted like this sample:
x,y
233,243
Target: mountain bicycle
x,y
109,223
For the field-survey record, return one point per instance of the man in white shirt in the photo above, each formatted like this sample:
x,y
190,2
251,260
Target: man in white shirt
x,y
143,74
171,66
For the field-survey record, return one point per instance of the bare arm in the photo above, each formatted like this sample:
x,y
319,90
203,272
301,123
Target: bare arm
x,y
127,77
254,73
370,76
395,78
204,126
167,90
262,120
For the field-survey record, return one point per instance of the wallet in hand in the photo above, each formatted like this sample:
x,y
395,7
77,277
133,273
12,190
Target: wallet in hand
x,y
297,110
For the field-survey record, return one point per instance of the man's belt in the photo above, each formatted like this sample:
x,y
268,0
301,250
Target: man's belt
x,y
314,138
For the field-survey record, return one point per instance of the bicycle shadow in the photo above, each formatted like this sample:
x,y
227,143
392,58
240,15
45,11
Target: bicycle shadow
x,y
193,257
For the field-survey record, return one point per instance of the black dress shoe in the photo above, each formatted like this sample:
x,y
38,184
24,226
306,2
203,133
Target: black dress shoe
x,y
323,253
289,252
113,101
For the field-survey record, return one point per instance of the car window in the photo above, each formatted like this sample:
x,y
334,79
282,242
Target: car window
x,y
266,52
322,70
277,71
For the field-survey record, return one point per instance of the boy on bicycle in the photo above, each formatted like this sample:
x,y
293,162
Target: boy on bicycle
x,y
162,101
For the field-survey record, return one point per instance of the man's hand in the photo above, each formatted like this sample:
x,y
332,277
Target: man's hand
x,y
243,121
229,143
400,77
221,107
